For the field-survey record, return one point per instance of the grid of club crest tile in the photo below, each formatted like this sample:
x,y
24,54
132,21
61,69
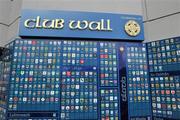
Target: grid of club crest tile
x,y
164,65
138,81
78,79
109,101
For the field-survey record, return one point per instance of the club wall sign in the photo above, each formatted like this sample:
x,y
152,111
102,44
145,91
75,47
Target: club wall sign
x,y
102,25
80,25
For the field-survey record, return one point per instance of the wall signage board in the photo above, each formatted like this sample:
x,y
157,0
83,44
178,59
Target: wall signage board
x,y
37,23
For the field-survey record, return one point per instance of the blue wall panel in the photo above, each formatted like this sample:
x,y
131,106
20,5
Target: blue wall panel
x,y
76,80
164,66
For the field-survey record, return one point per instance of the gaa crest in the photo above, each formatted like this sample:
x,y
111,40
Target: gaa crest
x,y
132,28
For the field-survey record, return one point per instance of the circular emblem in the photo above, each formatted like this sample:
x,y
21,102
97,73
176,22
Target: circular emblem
x,y
132,28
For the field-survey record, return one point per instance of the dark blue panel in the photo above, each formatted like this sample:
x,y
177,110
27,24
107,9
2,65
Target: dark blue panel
x,y
34,81
164,55
108,64
109,104
165,95
134,82
164,65
78,80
